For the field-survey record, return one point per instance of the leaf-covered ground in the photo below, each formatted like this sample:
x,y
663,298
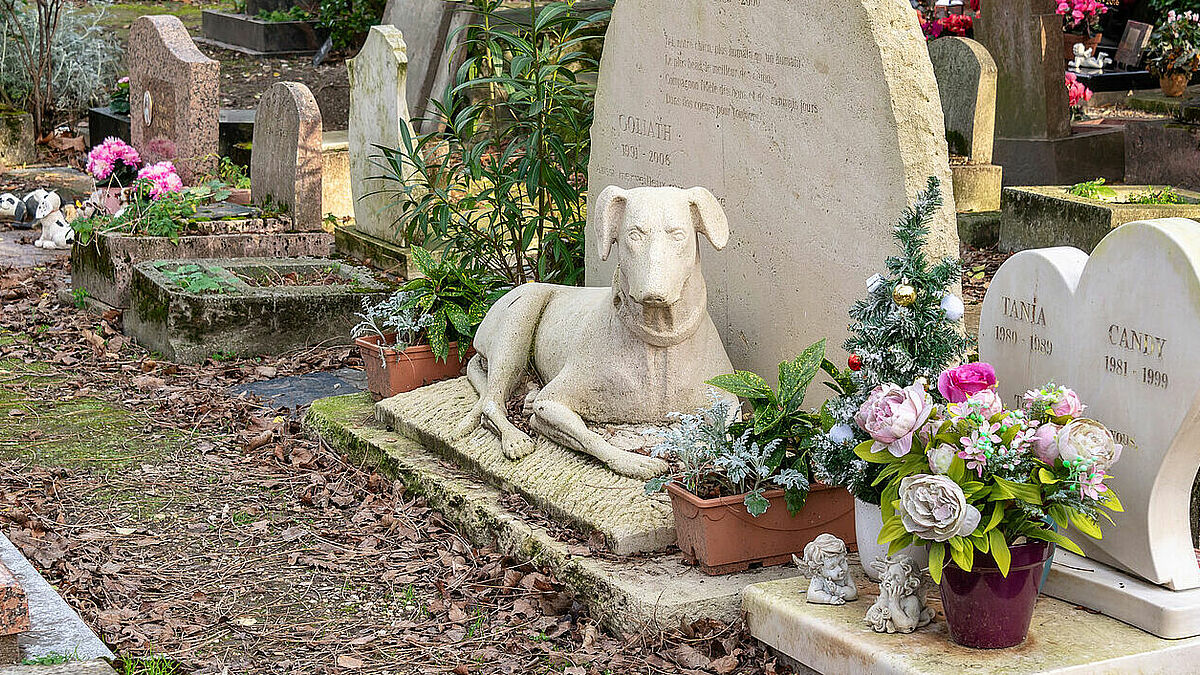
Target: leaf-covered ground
x,y
189,525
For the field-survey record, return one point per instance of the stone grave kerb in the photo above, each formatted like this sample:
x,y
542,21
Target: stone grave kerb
x,y
174,97
286,166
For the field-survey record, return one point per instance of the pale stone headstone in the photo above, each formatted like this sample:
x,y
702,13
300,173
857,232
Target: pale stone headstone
x,y
966,77
286,166
377,111
432,30
173,96
814,140
1121,328
1025,37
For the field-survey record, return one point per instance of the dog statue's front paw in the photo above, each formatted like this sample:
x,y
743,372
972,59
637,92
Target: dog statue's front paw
x,y
638,466
517,445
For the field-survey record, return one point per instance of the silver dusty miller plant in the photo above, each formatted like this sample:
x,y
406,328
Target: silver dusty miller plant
x,y
391,316
703,450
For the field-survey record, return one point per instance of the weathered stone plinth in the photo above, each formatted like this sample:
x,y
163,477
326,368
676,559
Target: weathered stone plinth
x,y
1044,216
354,243
245,319
1063,639
1163,152
626,594
568,485
977,187
258,37
1087,153
104,268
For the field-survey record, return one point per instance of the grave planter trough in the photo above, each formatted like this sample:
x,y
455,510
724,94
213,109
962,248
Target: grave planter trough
x,y
245,310
104,267
394,371
258,37
1045,216
722,537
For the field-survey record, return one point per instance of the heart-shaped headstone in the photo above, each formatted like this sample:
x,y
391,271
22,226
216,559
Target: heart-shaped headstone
x,y
1122,328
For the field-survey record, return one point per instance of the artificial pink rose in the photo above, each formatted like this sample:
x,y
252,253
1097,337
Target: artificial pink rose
x,y
1068,404
989,403
891,415
958,384
1045,442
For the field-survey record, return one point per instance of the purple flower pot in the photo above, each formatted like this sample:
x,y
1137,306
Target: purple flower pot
x,y
986,610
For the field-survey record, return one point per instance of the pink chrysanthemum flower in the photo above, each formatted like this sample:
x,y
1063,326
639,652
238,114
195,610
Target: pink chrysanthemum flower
x,y
163,178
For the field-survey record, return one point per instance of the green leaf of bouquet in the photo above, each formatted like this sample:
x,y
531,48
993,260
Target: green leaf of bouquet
x,y
1112,502
1000,552
997,516
1085,525
892,530
958,470
900,544
937,558
1059,514
963,555
980,542
1054,538
888,499
863,450
1030,494
743,383
1046,477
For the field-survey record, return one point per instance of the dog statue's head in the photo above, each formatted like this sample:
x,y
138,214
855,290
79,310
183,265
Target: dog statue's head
x,y
653,230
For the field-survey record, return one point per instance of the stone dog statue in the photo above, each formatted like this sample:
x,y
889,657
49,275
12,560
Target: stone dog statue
x,y
630,353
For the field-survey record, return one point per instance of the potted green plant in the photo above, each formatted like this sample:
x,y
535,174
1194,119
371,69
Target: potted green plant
x,y
420,334
1174,53
987,490
741,489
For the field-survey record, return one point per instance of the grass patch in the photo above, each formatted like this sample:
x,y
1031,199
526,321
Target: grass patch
x,y
79,433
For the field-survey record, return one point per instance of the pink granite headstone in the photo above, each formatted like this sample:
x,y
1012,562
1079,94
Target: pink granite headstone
x,y
285,166
173,97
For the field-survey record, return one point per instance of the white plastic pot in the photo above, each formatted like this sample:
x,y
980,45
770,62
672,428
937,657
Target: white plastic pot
x,y
868,521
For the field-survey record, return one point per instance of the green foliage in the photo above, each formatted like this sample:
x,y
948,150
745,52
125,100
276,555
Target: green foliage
x,y
1093,189
232,174
711,458
55,58
52,659
293,13
194,278
166,216
1162,7
1175,46
80,296
457,299
347,20
503,183
895,344
118,101
394,320
1166,195
777,421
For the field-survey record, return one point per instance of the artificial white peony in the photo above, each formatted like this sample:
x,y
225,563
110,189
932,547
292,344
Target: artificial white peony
x,y
934,508
1085,440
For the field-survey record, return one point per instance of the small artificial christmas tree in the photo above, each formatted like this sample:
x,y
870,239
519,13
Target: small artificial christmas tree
x,y
907,327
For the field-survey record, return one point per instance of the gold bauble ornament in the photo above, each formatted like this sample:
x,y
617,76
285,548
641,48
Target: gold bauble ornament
x,y
904,295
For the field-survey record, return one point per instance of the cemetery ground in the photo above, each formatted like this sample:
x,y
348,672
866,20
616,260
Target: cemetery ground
x,y
192,527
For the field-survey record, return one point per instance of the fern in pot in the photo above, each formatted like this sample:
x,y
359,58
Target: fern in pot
x,y
741,487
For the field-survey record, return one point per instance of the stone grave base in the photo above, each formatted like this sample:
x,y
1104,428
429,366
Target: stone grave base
x,y
626,594
1063,639
16,137
568,485
979,230
1044,216
1166,613
245,319
353,243
1084,155
1163,152
976,187
257,37
104,268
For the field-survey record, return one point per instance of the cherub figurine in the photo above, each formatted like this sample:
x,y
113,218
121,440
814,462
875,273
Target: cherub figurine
x,y
901,604
825,562
1085,61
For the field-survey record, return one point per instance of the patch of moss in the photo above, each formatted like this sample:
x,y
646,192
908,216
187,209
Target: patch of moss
x,y
78,433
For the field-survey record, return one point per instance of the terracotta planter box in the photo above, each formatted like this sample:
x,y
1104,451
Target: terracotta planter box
x,y
406,370
721,537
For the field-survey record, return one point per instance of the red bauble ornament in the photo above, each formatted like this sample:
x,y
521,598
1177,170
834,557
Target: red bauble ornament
x,y
855,362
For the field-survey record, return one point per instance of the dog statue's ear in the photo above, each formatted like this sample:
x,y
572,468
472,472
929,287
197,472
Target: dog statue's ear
x,y
610,211
708,217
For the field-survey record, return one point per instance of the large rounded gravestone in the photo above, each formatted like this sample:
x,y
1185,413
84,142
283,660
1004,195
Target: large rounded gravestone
x,y
813,122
